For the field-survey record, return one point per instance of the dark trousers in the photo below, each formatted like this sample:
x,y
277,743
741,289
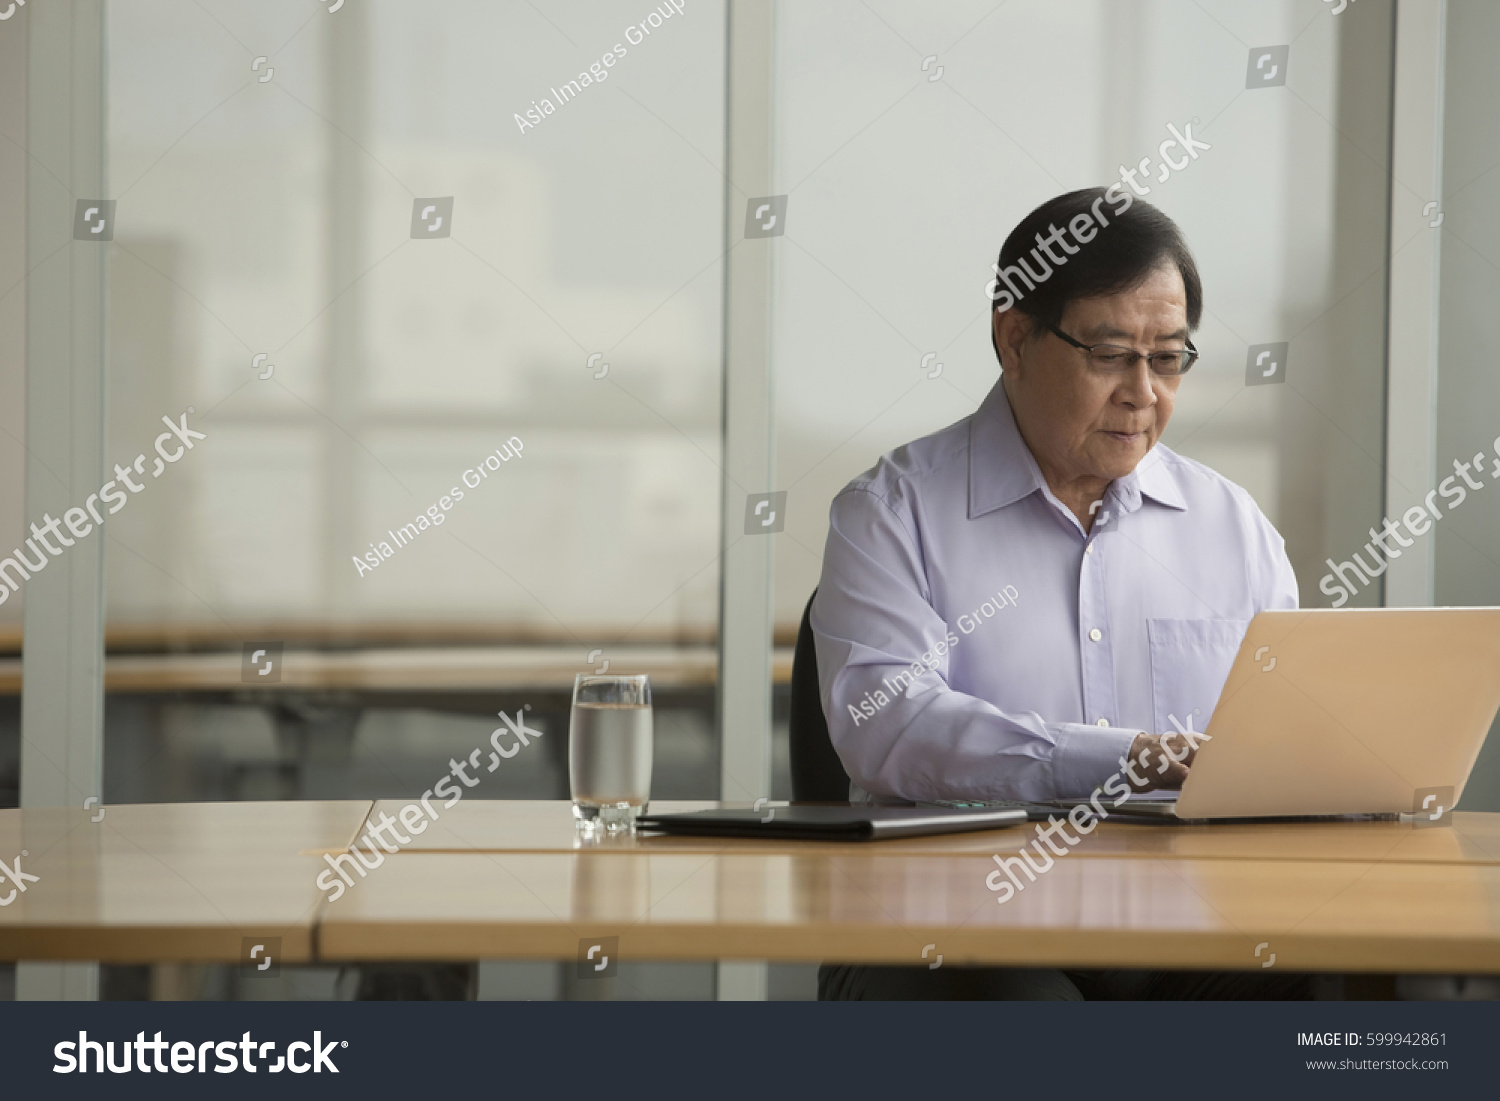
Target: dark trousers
x,y
848,982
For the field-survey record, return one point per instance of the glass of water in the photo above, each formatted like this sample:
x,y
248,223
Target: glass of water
x,y
609,750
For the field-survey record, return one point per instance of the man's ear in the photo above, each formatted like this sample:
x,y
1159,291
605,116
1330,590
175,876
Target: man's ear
x,y
1010,330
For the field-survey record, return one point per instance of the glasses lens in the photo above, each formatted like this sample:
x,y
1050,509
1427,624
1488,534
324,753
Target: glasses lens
x,y
1112,358
1171,363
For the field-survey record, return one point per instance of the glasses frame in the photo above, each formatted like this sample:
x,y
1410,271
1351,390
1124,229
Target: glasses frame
x,y
1089,348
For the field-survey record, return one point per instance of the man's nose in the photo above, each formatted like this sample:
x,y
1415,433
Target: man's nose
x,y
1135,388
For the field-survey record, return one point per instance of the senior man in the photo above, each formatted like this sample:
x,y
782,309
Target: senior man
x,y
1015,606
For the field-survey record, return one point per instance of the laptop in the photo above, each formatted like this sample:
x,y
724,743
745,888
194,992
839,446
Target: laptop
x,y
825,823
1361,711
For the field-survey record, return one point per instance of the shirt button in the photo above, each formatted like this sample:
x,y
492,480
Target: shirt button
x,y
1089,549
1103,722
1095,635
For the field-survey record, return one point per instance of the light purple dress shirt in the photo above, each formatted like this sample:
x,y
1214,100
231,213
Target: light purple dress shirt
x,y
975,643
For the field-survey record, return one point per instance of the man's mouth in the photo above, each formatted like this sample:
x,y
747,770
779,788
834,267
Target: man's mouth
x,y
1125,437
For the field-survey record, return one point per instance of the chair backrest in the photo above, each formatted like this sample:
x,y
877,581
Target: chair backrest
x,y
818,775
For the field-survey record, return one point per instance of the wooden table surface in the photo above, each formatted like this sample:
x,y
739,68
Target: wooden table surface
x,y
546,826
505,880
170,881
1389,917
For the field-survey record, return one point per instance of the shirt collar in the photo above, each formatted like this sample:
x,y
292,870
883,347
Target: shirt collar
x,y
1154,477
1002,469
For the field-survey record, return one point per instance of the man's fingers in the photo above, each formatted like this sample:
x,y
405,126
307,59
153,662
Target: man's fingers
x,y
1176,778
1167,775
1162,762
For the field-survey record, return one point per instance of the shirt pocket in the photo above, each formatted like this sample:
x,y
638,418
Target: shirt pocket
x,y
1190,661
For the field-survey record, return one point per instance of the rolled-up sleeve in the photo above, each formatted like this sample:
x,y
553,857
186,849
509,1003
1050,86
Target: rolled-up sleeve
x,y
900,729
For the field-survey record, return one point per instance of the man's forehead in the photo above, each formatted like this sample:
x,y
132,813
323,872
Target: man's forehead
x,y
1167,329
1149,305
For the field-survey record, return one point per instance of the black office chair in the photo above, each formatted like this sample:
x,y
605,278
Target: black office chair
x,y
818,775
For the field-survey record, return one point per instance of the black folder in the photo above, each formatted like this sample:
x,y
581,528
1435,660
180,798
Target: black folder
x,y
856,823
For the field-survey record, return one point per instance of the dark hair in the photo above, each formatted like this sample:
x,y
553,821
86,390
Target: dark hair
x,y
1131,243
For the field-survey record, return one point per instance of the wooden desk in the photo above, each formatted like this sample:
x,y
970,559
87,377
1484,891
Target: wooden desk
x,y
546,826
186,882
167,882
511,880
1127,912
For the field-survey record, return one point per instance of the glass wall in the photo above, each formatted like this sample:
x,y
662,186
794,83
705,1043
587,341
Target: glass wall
x,y
345,242
911,140
271,165
458,366
1468,413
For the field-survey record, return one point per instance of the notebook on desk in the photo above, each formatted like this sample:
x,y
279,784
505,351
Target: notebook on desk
x,y
856,823
1156,806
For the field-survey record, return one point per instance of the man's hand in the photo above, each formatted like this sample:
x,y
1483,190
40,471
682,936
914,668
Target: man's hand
x,y
1159,761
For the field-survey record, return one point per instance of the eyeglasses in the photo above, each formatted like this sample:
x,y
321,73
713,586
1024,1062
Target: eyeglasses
x,y
1114,359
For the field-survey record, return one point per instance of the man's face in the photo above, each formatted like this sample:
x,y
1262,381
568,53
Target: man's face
x,y
1084,426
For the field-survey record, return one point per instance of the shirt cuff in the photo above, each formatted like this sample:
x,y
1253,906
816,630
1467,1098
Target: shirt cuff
x,y
1085,756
